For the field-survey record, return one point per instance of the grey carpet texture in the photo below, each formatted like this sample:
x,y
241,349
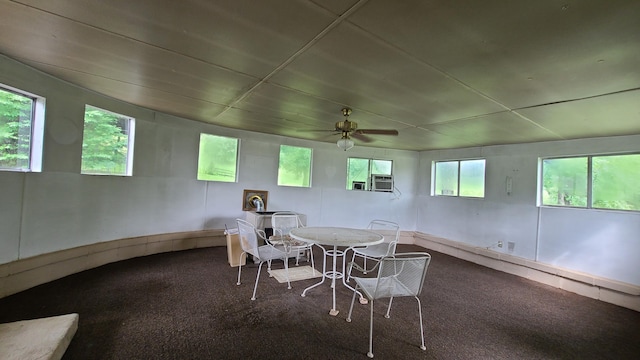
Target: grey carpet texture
x,y
186,305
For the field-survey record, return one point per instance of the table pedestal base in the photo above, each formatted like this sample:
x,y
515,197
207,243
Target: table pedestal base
x,y
333,275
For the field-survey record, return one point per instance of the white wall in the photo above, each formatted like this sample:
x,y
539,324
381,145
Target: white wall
x,y
602,243
59,208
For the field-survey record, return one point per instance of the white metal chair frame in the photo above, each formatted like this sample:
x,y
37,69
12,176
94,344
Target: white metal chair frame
x,y
248,236
282,223
399,275
391,232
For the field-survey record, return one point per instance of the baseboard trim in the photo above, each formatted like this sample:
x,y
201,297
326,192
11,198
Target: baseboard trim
x,y
603,289
26,273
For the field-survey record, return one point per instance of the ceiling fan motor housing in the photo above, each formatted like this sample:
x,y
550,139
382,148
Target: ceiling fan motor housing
x,y
346,125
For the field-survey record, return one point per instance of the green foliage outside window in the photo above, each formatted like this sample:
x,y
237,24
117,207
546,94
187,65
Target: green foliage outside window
x,y
105,142
16,112
217,158
565,182
460,178
614,182
294,168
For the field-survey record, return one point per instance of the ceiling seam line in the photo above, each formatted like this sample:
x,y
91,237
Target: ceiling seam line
x,y
460,82
295,55
24,60
135,40
577,99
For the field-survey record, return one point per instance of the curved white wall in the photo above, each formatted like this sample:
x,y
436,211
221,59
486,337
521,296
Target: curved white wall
x,y
597,242
60,209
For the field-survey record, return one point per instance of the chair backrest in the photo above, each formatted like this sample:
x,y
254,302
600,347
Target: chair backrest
x,y
283,222
248,237
402,275
388,229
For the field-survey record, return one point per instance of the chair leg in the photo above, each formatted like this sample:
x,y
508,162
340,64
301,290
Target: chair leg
x,y
255,287
387,315
422,346
370,353
353,258
240,268
286,271
353,299
313,265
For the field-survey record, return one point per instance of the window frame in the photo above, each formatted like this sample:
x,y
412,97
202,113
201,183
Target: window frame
x,y
128,171
310,170
459,162
370,173
236,160
36,134
589,183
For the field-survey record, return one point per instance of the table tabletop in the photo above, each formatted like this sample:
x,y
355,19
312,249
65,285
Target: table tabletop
x,y
336,236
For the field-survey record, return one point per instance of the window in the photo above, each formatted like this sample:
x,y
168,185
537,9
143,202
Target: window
x,y
602,182
21,130
294,167
459,178
107,143
218,158
359,172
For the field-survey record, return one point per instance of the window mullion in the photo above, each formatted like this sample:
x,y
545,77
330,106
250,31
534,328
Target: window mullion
x,y
589,182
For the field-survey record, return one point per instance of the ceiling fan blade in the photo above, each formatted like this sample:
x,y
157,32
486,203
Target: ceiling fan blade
x,y
361,137
377,131
318,130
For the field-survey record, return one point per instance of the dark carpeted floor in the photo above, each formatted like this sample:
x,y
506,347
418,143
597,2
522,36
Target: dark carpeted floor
x,y
185,305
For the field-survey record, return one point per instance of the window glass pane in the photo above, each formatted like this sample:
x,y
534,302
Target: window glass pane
x,y
381,167
358,172
105,142
16,112
446,178
294,168
565,182
616,182
472,178
217,158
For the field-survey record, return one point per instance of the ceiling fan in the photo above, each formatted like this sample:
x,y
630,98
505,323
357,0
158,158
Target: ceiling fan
x,y
350,129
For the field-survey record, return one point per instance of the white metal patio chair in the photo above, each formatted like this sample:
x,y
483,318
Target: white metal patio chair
x,y
399,275
282,223
248,235
373,253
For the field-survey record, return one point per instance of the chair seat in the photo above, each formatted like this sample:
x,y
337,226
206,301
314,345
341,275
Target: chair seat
x,y
376,251
268,252
288,240
386,287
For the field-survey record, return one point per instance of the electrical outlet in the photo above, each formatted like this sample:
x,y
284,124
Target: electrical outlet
x,y
499,244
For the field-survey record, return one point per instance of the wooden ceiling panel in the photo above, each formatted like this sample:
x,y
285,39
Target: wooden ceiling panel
x,y
444,74
495,129
234,34
616,114
349,66
518,53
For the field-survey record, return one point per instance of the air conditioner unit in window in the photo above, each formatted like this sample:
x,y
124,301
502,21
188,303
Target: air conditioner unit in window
x,y
382,183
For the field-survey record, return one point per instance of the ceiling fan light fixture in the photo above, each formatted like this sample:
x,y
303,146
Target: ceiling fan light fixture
x,y
345,143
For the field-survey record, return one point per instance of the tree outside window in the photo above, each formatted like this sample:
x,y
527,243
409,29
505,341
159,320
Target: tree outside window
x,y
21,130
602,182
294,167
218,158
107,143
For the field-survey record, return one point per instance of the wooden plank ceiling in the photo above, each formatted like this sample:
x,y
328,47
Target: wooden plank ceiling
x,y
445,74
